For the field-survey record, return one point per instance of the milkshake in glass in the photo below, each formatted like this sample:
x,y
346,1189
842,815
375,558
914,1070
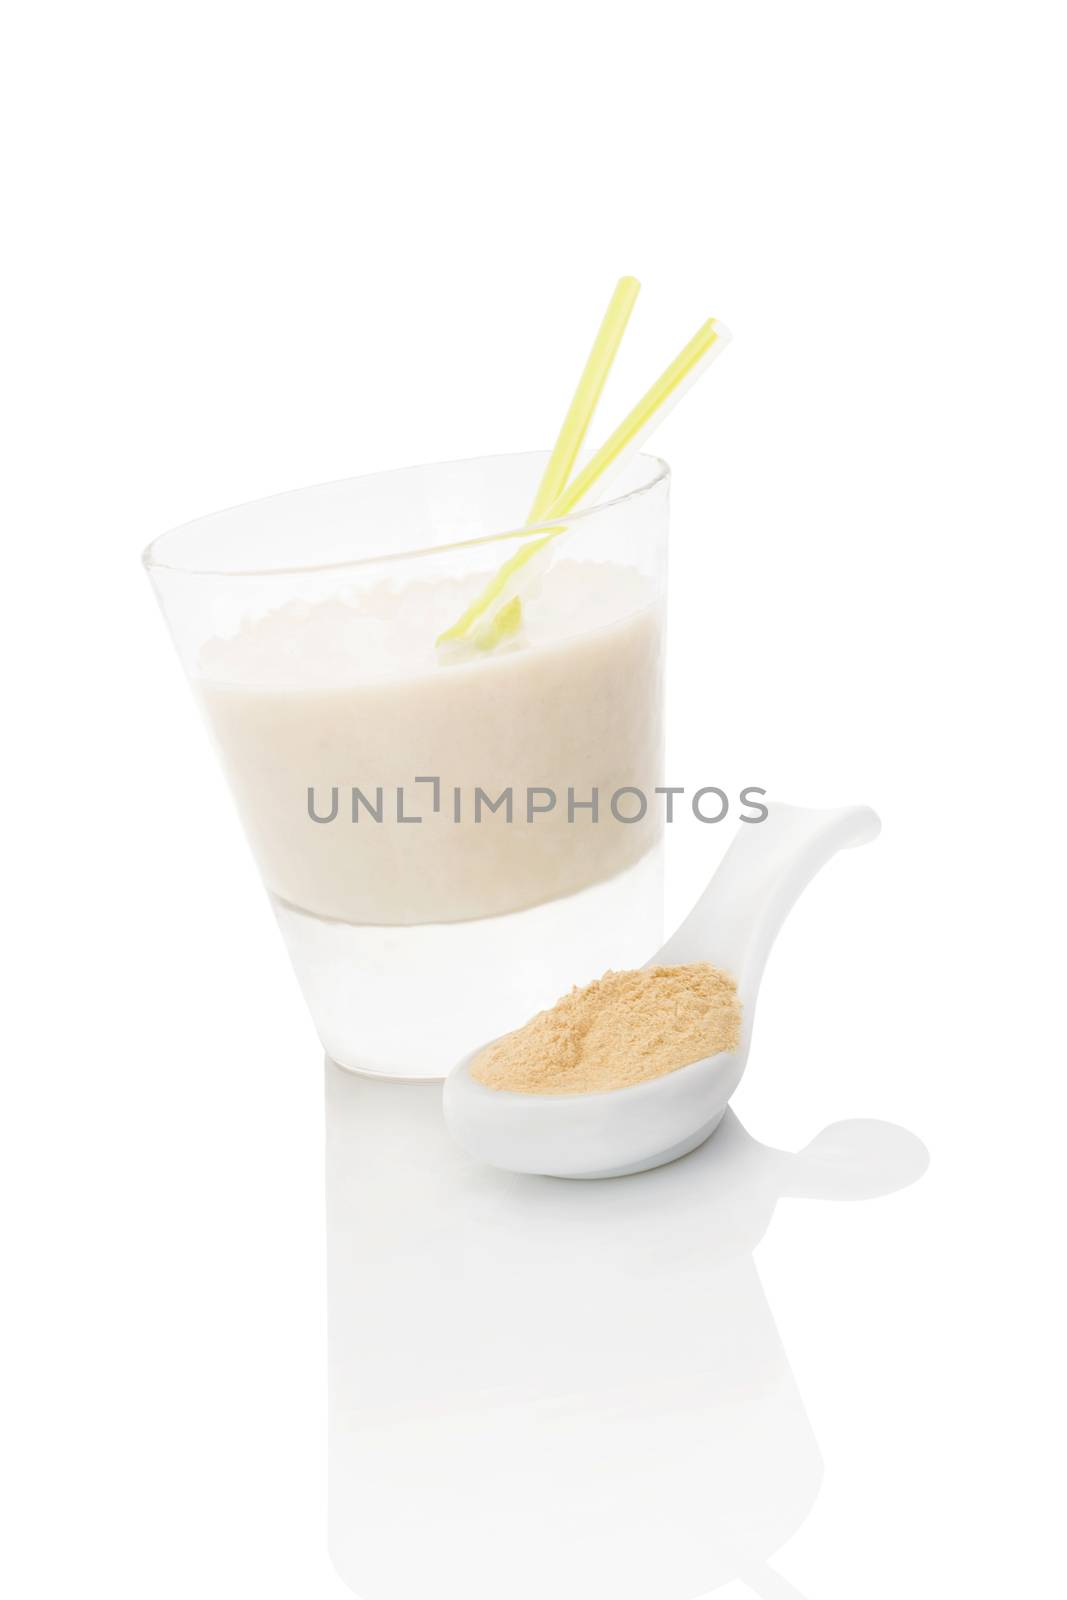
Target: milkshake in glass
x,y
449,839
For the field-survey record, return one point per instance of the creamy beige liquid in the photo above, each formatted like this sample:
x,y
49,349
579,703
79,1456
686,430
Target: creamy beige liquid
x,y
349,693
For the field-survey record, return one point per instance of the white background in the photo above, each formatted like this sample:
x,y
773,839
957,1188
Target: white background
x,y
253,246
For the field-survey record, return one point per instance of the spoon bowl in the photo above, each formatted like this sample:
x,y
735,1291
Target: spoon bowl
x,y
733,926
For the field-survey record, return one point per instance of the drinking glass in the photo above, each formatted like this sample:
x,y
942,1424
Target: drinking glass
x,y
450,837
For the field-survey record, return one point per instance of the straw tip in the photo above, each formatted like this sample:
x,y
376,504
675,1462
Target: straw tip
x,y
722,332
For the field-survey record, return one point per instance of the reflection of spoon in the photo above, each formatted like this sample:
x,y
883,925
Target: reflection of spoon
x,y
732,925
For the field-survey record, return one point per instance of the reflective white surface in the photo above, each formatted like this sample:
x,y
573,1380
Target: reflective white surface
x,y
567,1389
257,247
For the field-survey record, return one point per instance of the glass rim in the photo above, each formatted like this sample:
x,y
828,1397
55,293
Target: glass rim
x,y
660,473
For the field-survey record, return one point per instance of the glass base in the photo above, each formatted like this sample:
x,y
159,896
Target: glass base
x,y
409,1002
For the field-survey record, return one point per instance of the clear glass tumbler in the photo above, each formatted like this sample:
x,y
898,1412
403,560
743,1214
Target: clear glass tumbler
x,y
450,838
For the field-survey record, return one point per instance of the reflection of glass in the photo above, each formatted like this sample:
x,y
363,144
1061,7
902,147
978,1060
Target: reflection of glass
x,y
550,1388
421,917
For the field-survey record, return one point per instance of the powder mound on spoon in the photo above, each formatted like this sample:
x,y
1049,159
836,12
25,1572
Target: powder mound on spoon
x,y
623,1029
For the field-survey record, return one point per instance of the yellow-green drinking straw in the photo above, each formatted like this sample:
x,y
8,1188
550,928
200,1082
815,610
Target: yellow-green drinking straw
x,y
580,413
571,437
613,455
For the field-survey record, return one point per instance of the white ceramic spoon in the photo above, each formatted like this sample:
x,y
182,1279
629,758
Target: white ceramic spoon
x,y
732,925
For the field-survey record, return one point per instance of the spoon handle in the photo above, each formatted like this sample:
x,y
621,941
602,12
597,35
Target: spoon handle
x,y
768,865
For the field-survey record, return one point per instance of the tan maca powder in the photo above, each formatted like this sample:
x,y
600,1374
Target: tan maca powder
x,y
622,1029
